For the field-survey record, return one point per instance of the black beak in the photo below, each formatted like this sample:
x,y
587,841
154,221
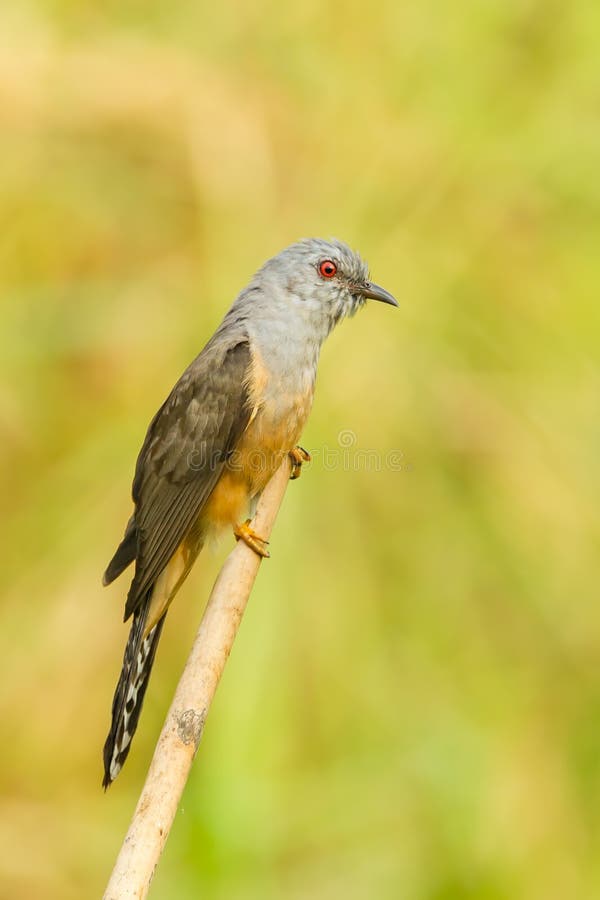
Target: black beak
x,y
374,292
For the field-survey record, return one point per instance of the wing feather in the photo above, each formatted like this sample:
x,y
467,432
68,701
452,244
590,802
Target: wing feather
x,y
183,455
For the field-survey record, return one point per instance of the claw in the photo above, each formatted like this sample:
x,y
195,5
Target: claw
x,y
251,538
298,456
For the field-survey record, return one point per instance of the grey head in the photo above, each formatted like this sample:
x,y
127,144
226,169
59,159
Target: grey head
x,y
311,285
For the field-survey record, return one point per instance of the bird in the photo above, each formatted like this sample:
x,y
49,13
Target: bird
x,y
224,429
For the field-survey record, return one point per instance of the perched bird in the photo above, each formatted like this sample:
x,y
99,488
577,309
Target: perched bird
x,y
226,426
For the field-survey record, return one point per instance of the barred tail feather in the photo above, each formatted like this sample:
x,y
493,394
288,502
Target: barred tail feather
x,y
130,690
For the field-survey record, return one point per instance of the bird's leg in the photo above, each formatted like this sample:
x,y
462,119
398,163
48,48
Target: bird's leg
x,y
251,538
298,456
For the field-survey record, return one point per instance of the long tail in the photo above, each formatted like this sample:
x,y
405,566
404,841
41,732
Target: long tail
x,y
130,690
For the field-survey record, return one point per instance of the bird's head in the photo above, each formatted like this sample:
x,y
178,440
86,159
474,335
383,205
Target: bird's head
x,y
322,280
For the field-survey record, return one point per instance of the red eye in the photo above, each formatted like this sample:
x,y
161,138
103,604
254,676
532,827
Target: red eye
x,y
327,268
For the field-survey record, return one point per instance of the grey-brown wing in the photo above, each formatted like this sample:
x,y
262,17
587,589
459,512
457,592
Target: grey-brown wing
x,y
184,452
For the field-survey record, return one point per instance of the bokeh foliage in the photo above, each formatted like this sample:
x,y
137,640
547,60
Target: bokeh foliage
x,y
412,707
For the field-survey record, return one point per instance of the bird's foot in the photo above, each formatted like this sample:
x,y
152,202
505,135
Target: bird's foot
x,y
298,456
248,536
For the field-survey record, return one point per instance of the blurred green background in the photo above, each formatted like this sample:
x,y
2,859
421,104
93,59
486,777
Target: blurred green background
x,y
412,706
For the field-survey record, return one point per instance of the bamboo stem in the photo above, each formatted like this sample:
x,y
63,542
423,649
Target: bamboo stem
x,y
179,739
